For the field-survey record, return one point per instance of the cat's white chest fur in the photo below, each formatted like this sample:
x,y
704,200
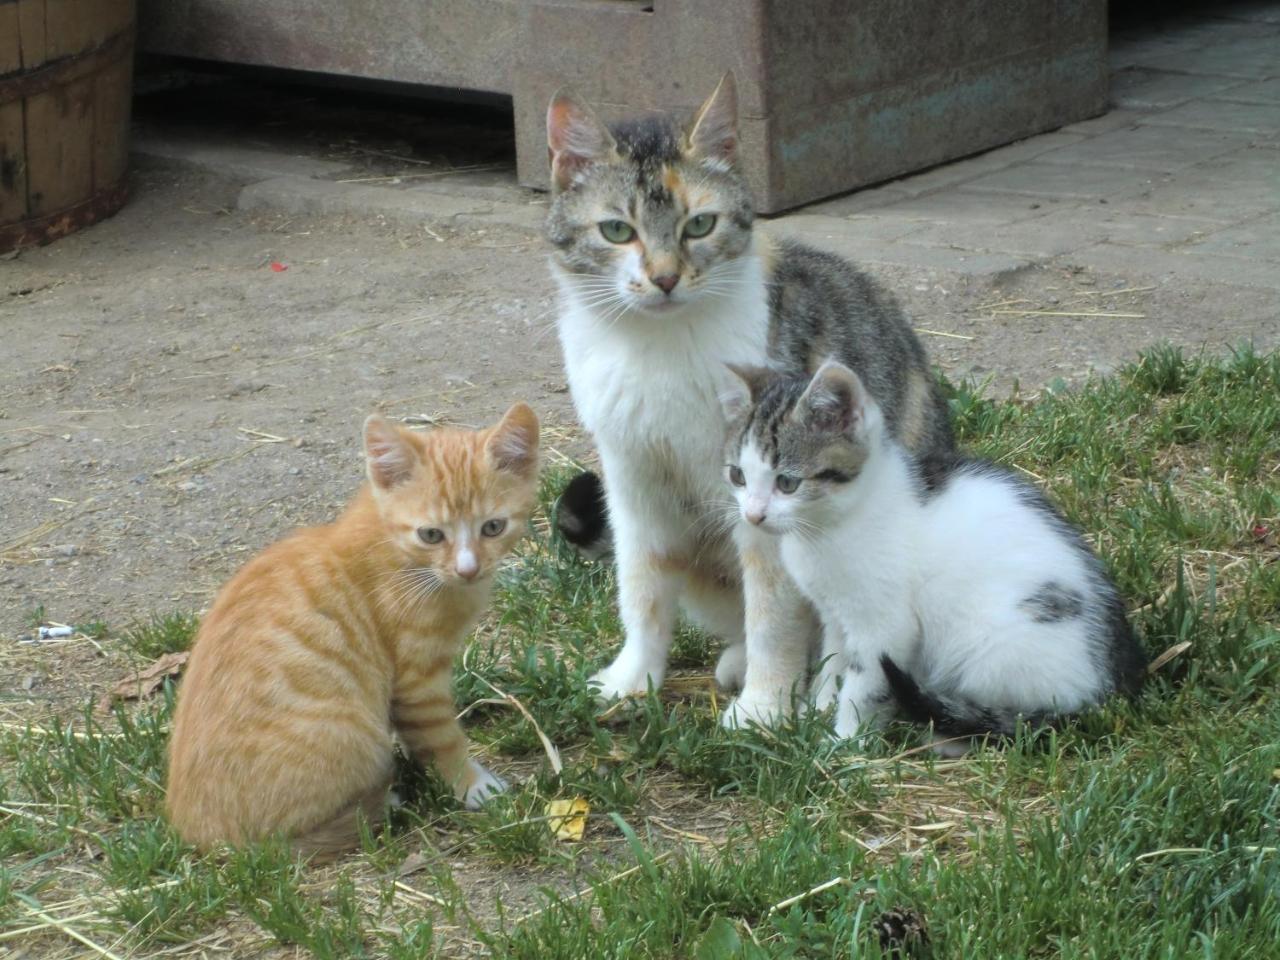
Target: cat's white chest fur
x,y
650,383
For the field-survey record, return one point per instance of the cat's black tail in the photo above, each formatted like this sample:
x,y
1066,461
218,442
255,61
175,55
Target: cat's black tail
x,y
583,518
955,716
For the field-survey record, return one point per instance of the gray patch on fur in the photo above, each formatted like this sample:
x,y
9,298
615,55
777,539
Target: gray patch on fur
x,y
822,306
1113,645
1053,603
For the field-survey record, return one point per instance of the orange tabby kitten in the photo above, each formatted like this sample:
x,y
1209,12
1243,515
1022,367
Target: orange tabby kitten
x,y
337,636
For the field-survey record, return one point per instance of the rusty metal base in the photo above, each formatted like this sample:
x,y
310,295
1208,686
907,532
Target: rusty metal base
x,y
41,230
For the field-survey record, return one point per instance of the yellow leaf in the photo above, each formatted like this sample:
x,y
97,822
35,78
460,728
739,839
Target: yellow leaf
x,y
568,818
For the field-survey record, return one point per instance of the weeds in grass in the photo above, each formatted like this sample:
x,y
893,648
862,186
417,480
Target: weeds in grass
x,y
1145,830
161,634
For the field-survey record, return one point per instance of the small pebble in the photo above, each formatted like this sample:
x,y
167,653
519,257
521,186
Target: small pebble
x,y
295,472
187,486
68,549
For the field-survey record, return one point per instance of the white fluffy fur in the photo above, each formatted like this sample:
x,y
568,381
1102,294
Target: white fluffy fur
x,y
936,585
646,384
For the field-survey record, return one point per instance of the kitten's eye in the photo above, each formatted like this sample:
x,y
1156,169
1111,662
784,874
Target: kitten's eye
x,y
617,231
787,483
736,477
431,535
494,527
699,226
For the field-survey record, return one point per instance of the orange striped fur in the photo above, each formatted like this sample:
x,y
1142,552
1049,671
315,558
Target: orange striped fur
x,y
337,637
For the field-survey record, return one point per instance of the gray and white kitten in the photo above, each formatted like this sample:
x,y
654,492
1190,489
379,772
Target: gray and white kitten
x,y
663,279
966,601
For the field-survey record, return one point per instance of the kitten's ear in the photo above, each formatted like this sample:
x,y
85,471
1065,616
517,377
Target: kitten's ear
x,y
713,135
575,138
389,455
746,385
835,400
513,443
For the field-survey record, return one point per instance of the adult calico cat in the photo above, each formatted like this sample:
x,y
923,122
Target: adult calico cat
x,y
663,280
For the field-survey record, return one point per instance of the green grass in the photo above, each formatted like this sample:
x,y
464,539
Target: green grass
x,y
1147,830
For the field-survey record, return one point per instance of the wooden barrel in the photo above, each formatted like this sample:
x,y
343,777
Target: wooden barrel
x,y
66,75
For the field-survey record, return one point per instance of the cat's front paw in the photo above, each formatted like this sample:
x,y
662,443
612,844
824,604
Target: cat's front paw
x,y
731,668
482,785
621,679
748,710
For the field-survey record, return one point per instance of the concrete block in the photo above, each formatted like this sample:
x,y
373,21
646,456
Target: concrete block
x,y
1149,148
407,205
235,162
833,95
1140,88
1219,115
1063,181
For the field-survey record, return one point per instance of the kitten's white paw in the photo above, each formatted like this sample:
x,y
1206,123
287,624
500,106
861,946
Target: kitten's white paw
x,y
731,668
484,784
825,689
747,710
621,679
952,749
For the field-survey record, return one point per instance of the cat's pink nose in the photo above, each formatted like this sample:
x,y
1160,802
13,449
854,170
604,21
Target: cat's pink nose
x,y
466,565
755,516
666,282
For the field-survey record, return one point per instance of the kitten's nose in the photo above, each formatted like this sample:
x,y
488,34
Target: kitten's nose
x,y
755,516
666,282
466,565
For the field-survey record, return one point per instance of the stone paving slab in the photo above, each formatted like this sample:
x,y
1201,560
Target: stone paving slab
x,y
1143,89
1253,58
1150,148
1221,114
1262,91
1258,239
1063,180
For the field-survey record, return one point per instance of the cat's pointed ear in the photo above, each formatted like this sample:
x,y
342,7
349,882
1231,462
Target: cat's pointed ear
x,y
513,443
834,401
389,456
745,387
575,138
713,135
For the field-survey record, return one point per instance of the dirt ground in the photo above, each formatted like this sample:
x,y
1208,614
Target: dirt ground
x,y
171,400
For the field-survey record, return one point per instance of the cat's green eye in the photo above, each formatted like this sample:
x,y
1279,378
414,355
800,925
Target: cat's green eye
x,y
699,226
431,535
736,477
787,483
493,527
617,231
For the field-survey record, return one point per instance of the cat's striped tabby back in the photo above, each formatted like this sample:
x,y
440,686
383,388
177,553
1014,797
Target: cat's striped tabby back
x,y
338,637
